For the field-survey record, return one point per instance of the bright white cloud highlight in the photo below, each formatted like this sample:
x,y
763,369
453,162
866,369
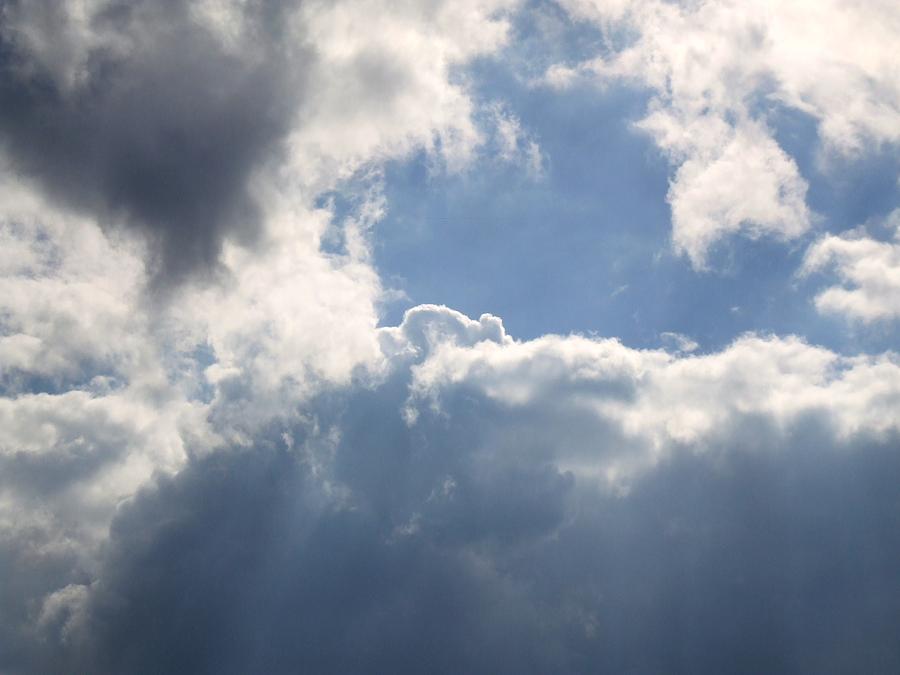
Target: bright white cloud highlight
x,y
383,82
868,270
601,408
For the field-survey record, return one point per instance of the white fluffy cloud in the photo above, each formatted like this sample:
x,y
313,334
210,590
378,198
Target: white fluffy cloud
x,y
868,269
575,395
384,80
715,66
67,294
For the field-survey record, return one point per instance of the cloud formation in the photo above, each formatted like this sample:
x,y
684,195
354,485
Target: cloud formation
x,y
143,113
869,270
719,71
562,504
191,125
166,116
250,472
653,402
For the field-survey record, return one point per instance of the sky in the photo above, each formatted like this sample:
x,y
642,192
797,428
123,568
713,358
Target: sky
x,y
481,336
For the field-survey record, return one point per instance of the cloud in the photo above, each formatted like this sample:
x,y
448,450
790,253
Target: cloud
x,y
868,269
679,342
89,412
247,474
714,68
489,534
282,578
138,112
191,125
386,84
278,319
168,117
570,391
70,298
732,179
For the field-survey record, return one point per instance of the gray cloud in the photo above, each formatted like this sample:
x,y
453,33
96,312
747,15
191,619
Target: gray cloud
x,y
141,113
459,544
257,572
432,497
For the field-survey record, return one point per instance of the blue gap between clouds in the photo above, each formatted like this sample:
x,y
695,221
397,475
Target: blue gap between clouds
x,y
587,248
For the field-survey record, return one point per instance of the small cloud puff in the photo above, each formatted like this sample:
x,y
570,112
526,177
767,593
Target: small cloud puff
x,y
869,271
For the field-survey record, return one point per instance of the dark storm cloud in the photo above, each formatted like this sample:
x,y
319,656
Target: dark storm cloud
x,y
157,125
776,554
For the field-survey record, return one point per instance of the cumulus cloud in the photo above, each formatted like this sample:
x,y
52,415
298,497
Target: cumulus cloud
x,y
89,411
560,504
386,86
652,402
869,271
245,473
190,120
165,116
714,68
175,147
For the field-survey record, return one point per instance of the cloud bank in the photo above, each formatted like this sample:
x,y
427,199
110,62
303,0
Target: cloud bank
x,y
564,504
214,457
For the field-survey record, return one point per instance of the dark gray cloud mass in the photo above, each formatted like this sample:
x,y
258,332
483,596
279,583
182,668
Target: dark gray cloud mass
x,y
145,116
445,556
